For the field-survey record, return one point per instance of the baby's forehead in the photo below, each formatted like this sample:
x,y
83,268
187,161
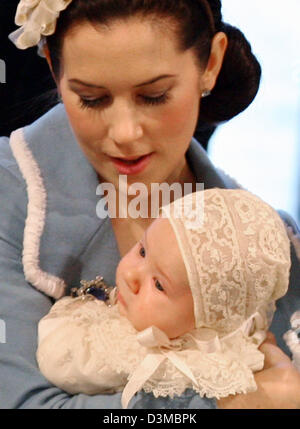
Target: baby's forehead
x,y
166,254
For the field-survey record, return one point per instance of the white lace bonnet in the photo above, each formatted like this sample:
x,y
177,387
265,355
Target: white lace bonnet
x,y
236,252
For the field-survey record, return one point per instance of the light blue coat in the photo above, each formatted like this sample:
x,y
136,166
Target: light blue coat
x,y
51,237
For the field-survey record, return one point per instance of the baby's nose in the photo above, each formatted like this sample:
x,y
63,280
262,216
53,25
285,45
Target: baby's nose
x,y
133,279
134,285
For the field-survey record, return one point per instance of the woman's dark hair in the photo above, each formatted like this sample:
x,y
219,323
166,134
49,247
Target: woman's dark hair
x,y
197,21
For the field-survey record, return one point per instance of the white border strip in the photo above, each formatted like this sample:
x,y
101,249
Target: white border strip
x,y
35,221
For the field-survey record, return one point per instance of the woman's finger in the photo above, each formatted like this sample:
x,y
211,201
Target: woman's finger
x,y
270,338
274,356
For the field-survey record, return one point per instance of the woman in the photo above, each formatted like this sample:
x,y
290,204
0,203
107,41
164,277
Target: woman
x,y
131,75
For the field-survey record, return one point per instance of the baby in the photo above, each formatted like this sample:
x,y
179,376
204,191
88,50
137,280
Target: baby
x,y
194,300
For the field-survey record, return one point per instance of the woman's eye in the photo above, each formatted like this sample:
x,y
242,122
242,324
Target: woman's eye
x,y
142,252
161,99
98,102
90,103
158,286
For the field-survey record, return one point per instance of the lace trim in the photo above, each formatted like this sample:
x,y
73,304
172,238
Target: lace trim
x,y
85,346
218,375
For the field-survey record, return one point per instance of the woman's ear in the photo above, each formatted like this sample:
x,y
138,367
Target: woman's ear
x,y
214,65
48,58
47,55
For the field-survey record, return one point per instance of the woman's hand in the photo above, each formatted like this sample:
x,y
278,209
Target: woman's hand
x,y
278,384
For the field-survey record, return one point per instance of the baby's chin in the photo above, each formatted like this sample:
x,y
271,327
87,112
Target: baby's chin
x,y
121,309
171,334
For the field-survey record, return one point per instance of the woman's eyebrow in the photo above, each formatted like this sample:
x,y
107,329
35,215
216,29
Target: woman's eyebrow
x,y
90,85
155,79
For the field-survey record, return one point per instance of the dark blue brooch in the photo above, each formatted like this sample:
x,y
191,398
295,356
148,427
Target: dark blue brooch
x,y
96,288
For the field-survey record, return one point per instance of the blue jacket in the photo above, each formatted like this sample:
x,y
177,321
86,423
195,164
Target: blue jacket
x,y
51,237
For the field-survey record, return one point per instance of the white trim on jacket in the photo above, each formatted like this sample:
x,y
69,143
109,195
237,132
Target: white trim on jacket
x,y
35,221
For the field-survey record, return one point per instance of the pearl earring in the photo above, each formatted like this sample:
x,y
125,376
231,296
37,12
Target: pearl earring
x,y
206,93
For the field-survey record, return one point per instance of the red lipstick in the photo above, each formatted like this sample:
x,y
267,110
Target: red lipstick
x,y
132,167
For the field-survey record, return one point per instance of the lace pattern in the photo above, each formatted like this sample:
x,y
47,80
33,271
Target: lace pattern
x,y
236,261
85,346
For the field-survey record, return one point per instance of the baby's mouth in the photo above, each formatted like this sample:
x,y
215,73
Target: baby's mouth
x,y
121,299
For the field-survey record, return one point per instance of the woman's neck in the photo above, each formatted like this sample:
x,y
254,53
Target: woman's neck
x,y
131,215
143,205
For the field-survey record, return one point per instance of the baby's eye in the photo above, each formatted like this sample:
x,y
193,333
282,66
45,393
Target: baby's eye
x,y
142,252
159,286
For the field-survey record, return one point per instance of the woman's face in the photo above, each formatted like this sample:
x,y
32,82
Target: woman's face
x,y
130,94
153,288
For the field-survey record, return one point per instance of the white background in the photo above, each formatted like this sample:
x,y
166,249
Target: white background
x,y
260,148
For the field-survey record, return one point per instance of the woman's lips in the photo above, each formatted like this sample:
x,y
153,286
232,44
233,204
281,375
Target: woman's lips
x,y
131,167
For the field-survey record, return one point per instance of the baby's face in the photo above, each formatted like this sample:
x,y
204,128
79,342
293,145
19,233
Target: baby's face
x,y
153,285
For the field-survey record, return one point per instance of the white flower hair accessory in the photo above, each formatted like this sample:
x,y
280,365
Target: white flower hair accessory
x,y
36,18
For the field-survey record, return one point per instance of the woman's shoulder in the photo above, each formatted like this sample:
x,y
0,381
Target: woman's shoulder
x,y
52,126
42,147
12,182
34,142
7,160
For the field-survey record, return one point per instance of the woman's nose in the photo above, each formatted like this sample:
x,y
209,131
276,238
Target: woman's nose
x,y
124,125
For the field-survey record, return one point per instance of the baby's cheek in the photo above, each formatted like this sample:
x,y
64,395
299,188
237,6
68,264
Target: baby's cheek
x,y
140,317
